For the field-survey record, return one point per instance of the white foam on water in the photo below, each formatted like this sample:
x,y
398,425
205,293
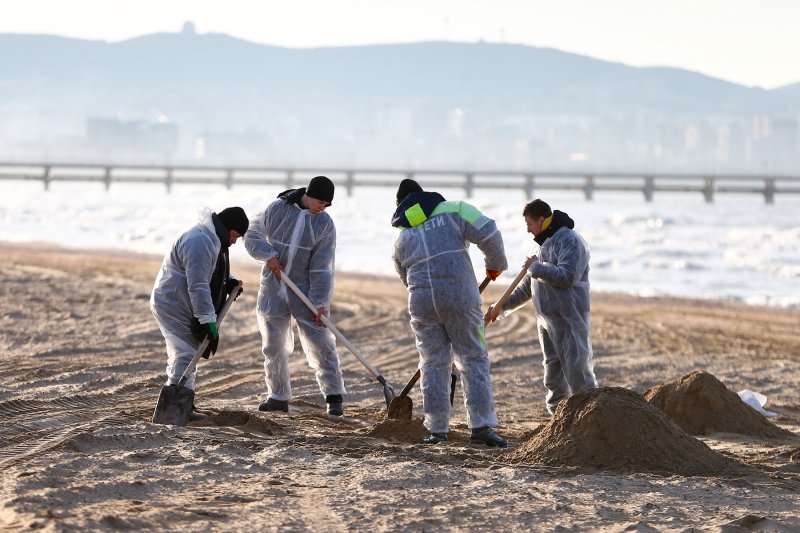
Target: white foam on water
x,y
737,248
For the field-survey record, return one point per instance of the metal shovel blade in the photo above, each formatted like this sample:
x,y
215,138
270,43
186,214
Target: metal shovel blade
x,y
401,408
174,405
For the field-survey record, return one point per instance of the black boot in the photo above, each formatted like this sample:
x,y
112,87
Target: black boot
x,y
334,402
274,405
434,438
486,436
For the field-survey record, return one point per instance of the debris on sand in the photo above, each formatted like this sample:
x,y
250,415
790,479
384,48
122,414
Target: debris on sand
x,y
395,430
615,429
700,404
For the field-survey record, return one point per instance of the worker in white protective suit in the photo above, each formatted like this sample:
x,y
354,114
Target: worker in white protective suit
x,y
294,236
430,255
558,282
192,285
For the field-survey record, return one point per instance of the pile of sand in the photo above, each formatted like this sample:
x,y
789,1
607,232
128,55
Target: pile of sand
x,y
700,404
612,428
394,430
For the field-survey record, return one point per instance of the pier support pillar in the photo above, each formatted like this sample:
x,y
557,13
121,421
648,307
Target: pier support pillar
x,y
649,187
529,187
708,190
769,190
588,187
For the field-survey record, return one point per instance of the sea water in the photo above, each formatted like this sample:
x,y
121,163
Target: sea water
x,y
736,248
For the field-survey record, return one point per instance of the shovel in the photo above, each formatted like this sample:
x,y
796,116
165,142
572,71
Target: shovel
x,y
388,392
175,401
504,297
402,408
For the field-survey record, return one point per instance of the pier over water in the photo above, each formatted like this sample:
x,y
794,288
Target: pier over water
x,y
530,181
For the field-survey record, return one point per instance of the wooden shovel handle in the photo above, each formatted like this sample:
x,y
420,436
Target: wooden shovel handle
x,y
330,325
484,284
499,304
411,383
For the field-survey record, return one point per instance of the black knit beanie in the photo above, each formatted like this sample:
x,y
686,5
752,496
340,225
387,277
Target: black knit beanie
x,y
234,218
407,186
320,188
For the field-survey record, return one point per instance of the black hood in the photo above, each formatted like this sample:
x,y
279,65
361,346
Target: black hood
x,y
223,268
427,202
293,196
223,232
560,220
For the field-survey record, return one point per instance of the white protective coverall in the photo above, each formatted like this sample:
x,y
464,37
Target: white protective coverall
x,y
181,291
558,283
431,257
304,243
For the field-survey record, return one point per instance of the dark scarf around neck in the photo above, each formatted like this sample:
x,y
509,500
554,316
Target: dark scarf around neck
x,y
560,220
222,270
293,196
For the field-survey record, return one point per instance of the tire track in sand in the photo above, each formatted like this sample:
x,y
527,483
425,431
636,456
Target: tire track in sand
x,y
49,439
31,427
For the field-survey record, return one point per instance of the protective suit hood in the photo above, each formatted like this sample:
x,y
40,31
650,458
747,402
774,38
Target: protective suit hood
x,y
221,231
416,208
560,220
222,268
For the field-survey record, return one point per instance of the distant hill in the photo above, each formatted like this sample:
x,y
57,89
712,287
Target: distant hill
x,y
512,77
791,91
208,82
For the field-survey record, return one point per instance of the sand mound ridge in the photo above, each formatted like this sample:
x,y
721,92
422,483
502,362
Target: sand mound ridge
x,y
613,428
700,404
395,430
256,422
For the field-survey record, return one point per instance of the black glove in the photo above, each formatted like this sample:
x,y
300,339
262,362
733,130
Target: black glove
x,y
198,330
230,285
212,333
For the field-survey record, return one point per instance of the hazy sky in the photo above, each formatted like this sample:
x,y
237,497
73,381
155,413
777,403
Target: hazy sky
x,y
744,41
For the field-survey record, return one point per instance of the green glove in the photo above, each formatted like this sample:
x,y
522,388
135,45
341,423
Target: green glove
x,y
212,333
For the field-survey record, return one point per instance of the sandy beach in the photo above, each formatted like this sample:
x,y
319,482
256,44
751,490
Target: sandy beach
x,y
83,363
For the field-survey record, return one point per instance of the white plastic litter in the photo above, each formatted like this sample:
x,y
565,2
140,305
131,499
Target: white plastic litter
x,y
755,400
